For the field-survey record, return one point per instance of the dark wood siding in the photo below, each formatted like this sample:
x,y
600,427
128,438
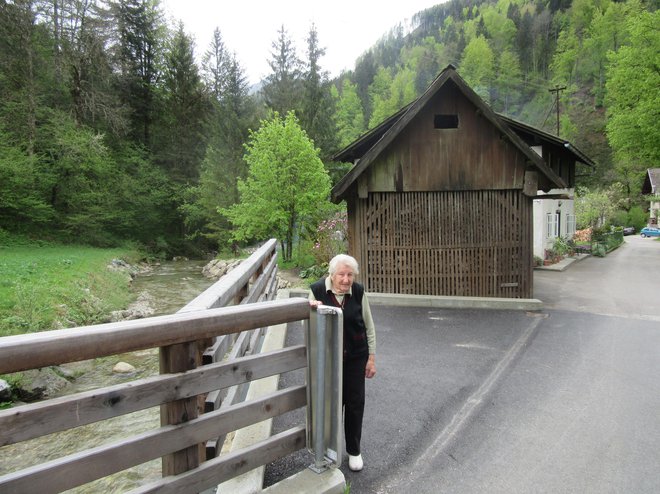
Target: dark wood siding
x,y
454,243
473,156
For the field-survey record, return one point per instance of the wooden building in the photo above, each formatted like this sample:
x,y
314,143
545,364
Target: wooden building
x,y
440,198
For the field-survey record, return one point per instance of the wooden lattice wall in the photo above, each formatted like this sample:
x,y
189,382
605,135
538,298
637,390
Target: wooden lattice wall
x,y
458,243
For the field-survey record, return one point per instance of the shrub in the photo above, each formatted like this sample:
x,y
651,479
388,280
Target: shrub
x,y
330,238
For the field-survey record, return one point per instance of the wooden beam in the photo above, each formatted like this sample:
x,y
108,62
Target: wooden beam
x,y
80,468
35,350
38,419
225,467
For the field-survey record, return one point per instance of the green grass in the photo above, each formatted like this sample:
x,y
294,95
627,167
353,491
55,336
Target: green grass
x,y
47,286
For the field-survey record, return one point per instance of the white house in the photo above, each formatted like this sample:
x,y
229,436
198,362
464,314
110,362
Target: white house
x,y
553,218
651,187
554,210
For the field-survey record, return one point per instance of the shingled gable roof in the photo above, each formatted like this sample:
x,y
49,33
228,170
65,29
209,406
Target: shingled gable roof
x,y
371,144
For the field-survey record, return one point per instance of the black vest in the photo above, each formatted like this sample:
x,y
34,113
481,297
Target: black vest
x,y
355,331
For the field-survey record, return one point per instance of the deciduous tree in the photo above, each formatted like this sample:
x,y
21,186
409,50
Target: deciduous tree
x,y
287,186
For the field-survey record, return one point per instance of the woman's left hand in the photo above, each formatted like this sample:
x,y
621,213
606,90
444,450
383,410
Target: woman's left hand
x,y
370,370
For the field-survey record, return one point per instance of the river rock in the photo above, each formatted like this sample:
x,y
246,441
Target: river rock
x,y
123,368
5,391
282,283
217,268
131,270
142,307
37,384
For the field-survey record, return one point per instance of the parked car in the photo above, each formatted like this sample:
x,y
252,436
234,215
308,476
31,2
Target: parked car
x,y
628,230
650,231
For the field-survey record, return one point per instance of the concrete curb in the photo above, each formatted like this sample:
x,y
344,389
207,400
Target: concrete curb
x,y
563,264
330,481
443,302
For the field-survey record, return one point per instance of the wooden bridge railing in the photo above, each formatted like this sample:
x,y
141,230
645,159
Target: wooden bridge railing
x,y
183,432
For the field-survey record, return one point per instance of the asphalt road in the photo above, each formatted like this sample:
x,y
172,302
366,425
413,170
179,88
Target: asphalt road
x,y
562,400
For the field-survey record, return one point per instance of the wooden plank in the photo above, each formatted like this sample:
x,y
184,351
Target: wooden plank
x,y
38,419
483,237
218,350
80,468
226,288
35,350
225,467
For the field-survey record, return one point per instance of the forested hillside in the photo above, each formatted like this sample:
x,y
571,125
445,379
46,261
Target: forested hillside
x,y
113,128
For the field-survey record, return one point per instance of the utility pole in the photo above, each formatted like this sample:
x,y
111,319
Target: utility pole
x,y
556,90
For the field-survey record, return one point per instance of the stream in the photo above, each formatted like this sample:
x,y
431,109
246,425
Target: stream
x,y
169,286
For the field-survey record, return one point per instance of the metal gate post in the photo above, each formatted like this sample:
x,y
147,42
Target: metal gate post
x,y
324,338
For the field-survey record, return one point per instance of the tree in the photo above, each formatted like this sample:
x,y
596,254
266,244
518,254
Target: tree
x,y
281,89
380,95
317,115
19,75
593,208
632,94
478,66
137,58
350,120
287,186
508,78
232,115
23,203
180,142
215,66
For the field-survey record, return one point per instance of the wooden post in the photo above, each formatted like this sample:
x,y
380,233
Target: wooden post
x,y
179,358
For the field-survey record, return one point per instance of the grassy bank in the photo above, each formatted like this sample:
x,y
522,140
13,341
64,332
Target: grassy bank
x,y
46,286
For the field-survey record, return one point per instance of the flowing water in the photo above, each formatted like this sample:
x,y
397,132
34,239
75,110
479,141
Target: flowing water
x,y
170,286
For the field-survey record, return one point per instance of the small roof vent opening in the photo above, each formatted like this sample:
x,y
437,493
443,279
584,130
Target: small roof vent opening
x,y
443,121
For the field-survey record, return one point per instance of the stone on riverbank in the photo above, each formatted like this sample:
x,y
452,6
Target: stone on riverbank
x,y
123,368
5,391
142,307
217,268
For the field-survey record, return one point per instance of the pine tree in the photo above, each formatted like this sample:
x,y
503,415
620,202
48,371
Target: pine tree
x,y
138,51
317,113
180,142
282,87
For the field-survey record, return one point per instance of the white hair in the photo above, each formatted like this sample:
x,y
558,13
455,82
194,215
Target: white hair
x,y
342,260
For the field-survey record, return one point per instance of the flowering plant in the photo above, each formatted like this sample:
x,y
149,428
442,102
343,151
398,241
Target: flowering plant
x,y
330,238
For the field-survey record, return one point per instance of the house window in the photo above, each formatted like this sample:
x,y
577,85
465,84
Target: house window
x,y
570,225
443,121
552,225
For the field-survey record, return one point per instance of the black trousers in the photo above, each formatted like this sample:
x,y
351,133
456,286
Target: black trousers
x,y
353,401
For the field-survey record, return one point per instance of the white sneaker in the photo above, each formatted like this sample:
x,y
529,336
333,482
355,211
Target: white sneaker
x,y
355,463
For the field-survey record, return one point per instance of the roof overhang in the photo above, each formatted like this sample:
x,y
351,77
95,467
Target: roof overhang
x,y
384,134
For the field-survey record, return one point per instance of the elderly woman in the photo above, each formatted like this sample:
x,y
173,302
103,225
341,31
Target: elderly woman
x,y
340,290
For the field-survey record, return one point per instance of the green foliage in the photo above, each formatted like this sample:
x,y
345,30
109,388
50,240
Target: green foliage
x,y
179,140
46,286
286,189
633,97
350,116
594,208
562,247
478,66
22,200
635,217
282,87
